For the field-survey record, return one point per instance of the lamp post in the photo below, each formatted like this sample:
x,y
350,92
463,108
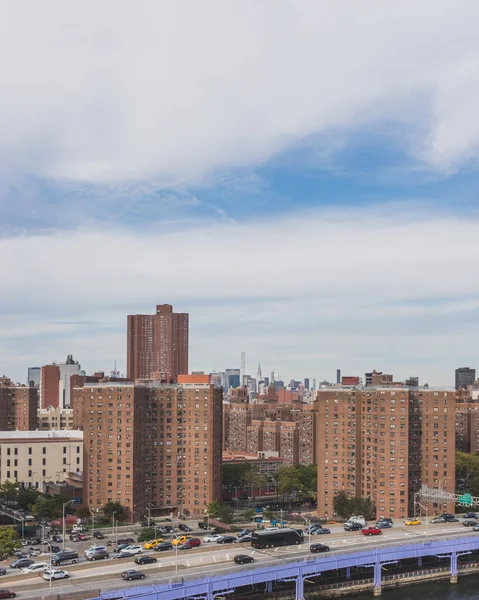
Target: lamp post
x,y
176,555
92,512
149,515
65,504
50,560
309,532
425,509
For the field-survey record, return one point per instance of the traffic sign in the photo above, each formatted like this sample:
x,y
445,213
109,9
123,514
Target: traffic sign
x,y
466,499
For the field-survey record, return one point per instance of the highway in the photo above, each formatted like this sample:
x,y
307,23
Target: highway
x,y
212,559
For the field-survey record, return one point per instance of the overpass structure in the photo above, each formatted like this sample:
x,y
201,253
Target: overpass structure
x,y
299,571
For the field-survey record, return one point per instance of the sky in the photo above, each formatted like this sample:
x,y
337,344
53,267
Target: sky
x,y
300,177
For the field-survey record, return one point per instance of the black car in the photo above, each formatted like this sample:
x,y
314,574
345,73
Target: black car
x,y
383,525
145,524
314,548
244,532
53,549
164,546
203,525
3,571
183,527
241,559
126,541
218,530
226,539
21,563
469,523
166,529
353,527
449,518
98,535
145,559
470,515
132,574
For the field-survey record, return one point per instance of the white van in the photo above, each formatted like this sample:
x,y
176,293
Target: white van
x,y
35,568
357,519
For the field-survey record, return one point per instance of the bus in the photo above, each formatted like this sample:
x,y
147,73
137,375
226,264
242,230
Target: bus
x,y
277,537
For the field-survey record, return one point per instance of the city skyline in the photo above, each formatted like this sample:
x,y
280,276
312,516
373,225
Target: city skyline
x,y
312,203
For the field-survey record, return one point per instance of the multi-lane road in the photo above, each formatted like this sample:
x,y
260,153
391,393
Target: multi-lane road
x,y
212,559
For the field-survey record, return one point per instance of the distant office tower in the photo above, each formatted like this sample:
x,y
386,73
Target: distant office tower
x,y
464,377
18,406
242,368
157,344
259,375
167,450
33,377
306,383
232,378
338,375
383,444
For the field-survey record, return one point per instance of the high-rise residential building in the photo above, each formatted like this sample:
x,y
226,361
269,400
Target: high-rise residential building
x,y
465,376
383,444
55,418
55,383
153,445
157,344
18,406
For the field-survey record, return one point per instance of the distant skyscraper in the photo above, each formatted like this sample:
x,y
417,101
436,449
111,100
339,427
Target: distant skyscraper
x,y
242,368
338,375
157,343
33,378
464,377
306,383
232,378
259,375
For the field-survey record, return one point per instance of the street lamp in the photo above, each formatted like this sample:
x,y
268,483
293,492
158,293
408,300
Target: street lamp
x,y
50,552
149,515
425,509
65,504
309,532
19,516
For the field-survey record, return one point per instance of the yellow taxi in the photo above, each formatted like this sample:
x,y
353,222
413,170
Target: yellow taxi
x,y
152,544
412,521
180,540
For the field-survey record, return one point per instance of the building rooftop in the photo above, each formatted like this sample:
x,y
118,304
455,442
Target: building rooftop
x,y
51,434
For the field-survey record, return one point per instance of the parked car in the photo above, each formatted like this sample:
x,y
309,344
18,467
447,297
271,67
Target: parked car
x,y
35,552
145,524
471,515
145,560
55,574
131,574
183,527
212,537
166,529
19,553
134,549
191,543
35,568
7,594
437,520
203,525
82,537
371,531
470,523
21,563
164,546
352,526
410,522
57,538
314,548
53,549
98,535
226,539
73,538
242,559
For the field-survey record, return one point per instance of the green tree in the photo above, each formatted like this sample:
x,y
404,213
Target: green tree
x,y
289,481
341,504
254,479
8,542
213,509
27,497
467,472
9,492
225,513
114,507
47,507
308,478
249,513
82,512
346,506
146,534
234,474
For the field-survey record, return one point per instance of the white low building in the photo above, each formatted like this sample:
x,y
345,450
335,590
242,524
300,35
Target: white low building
x,y
37,457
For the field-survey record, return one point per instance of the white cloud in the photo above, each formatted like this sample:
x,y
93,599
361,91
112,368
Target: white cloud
x,y
177,90
304,294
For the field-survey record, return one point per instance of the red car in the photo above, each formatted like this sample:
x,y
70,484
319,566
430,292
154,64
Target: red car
x,y
82,537
191,543
7,594
371,531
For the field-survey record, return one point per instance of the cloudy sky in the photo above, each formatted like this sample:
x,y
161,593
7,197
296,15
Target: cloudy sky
x,y
301,177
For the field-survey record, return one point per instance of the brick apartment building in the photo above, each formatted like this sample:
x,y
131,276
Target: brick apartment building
x,y
18,406
289,430
152,445
383,444
157,343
